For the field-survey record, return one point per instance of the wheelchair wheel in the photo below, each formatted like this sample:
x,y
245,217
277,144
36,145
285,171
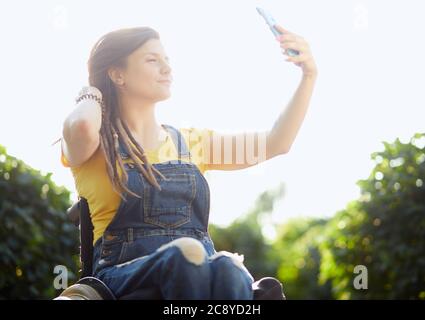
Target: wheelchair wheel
x,y
87,288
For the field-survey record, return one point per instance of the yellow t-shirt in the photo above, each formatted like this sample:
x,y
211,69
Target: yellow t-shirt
x,y
92,181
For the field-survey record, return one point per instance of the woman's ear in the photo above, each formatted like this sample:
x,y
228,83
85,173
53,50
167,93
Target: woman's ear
x,y
116,75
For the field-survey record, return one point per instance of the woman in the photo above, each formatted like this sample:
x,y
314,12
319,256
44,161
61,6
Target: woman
x,y
144,183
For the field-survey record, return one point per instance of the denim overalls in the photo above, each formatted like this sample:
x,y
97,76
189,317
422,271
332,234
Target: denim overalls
x,y
159,244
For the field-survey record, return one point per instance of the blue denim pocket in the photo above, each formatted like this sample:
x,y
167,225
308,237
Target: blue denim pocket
x,y
112,249
170,207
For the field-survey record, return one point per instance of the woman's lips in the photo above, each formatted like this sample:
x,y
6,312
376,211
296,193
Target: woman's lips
x,y
166,82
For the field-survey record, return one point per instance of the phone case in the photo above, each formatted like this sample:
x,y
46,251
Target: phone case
x,y
271,22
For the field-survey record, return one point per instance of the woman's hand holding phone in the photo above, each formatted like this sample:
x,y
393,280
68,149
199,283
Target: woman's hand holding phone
x,y
290,40
293,45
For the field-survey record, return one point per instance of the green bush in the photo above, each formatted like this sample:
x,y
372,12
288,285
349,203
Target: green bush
x,y
384,230
298,244
35,235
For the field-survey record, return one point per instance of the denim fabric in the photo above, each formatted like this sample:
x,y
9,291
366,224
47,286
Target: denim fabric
x,y
159,244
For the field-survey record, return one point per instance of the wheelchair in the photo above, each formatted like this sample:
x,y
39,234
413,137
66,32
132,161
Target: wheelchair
x,y
92,288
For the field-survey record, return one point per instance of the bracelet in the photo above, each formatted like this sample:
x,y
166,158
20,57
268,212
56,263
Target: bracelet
x,y
90,89
92,96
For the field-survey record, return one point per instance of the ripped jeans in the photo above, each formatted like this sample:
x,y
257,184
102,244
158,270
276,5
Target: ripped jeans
x,y
181,269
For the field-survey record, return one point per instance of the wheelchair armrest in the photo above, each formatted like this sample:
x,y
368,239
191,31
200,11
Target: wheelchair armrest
x,y
268,288
73,213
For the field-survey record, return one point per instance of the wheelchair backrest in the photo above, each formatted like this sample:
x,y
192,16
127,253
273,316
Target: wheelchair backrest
x,y
79,214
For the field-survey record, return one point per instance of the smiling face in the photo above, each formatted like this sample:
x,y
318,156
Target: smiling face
x,y
147,74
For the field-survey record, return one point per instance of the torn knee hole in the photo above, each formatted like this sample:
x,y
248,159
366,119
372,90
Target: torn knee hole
x,y
192,249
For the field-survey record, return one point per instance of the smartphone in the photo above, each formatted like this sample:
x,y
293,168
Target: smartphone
x,y
271,22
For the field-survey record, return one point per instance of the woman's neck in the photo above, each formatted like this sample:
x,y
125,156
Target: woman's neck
x,y
141,121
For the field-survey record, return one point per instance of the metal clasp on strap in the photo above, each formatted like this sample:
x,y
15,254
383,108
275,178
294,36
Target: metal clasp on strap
x,y
130,235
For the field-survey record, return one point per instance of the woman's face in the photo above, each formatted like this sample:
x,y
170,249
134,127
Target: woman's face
x,y
148,73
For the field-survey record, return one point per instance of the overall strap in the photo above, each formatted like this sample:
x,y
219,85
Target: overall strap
x,y
179,142
123,150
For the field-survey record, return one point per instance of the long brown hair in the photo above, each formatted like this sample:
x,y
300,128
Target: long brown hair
x,y
110,50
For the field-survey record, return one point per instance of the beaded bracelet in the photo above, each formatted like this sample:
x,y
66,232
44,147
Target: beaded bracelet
x,y
89,95
92,96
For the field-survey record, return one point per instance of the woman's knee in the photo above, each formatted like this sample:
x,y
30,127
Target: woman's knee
x,y
191,249
230,263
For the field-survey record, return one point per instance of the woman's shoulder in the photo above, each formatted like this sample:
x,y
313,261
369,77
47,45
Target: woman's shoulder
x,y
91,177
93,161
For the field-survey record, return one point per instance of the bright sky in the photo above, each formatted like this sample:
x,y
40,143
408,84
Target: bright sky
x,y
229,75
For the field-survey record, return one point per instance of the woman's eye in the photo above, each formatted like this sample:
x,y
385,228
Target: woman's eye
x,y
152,60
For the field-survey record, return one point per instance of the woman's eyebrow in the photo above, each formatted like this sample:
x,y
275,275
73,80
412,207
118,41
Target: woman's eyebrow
x,y
157,54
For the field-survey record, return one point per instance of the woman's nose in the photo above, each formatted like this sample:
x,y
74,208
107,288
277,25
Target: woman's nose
x,y
166,68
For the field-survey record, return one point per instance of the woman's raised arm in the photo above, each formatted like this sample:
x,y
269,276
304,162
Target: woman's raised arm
x,y
80,131
242,150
